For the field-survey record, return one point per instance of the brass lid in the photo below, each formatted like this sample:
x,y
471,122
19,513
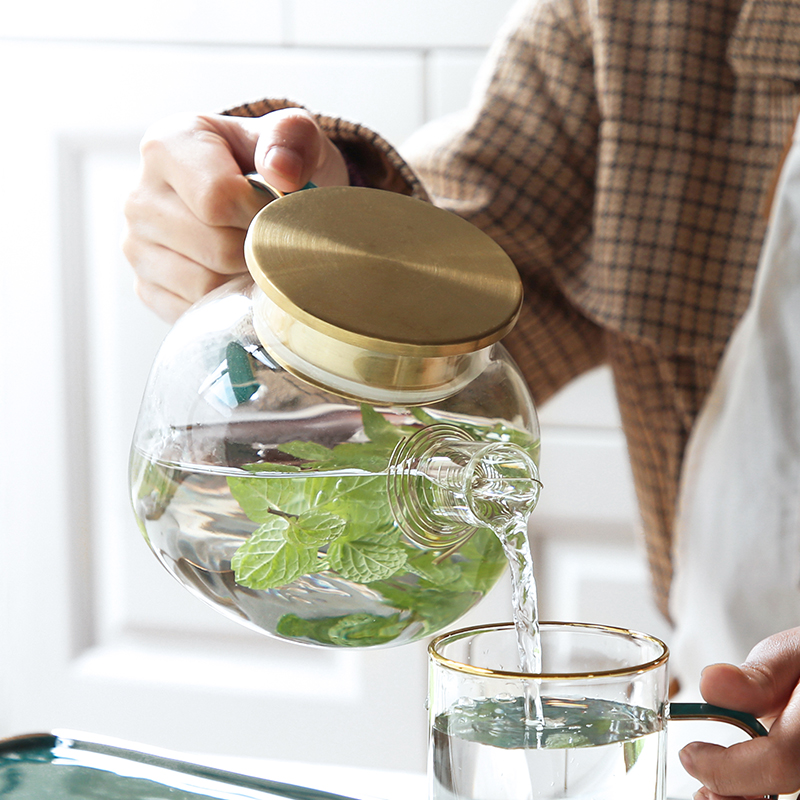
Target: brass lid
x,y
364,270
384,271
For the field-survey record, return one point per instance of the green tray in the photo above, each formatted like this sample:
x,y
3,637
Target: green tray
x,y
61,767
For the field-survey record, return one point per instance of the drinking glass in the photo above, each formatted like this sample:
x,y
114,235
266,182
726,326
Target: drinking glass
x,y
591,724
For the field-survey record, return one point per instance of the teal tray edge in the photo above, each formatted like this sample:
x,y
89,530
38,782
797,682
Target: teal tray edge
x,y
41,746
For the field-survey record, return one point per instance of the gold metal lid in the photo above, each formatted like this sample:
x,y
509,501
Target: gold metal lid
x,y
378,287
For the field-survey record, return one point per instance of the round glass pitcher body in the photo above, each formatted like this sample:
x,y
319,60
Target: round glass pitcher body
x,y
273,498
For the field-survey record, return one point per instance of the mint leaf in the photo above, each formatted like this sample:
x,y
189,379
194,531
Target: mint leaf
x,y
366,456
156,485
381,535
631,750
364,562
267,466
499,432
562,741
307,451
350,630
378,429
250,494
261,497
363,630
425,566
314,528
268,560
481,561
433,607
423,416
363,502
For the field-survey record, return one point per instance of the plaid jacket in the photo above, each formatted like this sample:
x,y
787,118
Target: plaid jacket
x,y
625,147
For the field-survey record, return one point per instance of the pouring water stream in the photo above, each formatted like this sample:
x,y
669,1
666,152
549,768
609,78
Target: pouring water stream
x,y
504,504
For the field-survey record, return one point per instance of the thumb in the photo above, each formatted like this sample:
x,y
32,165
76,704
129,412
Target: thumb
x,y
763,685
766,685
292,150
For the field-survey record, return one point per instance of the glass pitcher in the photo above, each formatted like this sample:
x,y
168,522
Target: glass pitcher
x,y
325,445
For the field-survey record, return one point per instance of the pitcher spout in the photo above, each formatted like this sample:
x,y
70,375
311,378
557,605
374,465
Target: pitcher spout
x,y
443,485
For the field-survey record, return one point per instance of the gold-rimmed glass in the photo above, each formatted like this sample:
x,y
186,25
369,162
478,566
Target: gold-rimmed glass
x,y
591,724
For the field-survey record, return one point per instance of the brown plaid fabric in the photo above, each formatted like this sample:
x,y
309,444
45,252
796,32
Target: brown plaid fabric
x,y
659,396
622,153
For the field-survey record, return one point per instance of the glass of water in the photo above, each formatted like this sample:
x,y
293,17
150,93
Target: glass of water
x,y
592,724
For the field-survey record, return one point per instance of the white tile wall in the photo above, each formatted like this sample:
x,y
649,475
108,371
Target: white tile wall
x,y
450,76
569,406
412,24
181,21
396,23
391,64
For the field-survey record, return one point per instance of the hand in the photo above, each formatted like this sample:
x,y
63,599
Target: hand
x,y
767,685
187,218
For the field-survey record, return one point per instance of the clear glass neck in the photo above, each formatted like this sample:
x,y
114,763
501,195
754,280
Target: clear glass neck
x,y
443,485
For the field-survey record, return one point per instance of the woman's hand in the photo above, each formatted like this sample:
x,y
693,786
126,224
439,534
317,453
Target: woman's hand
x,y
767,685
187,217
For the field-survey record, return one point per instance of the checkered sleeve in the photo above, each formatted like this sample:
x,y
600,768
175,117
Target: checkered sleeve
x,y
620,151
520,162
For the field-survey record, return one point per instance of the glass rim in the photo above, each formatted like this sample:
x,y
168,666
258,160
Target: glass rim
x,y
469,669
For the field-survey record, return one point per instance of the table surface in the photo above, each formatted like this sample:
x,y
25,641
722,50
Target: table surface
x,y
364,784
354,782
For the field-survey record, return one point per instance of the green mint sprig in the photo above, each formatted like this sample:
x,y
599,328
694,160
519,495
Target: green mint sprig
x,y
299,513
301,509
443,592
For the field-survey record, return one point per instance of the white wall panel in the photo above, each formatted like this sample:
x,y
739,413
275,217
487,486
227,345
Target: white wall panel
x,y
586,477
587,402
392,23
97,643
451,78
215,21
200,79
598,576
